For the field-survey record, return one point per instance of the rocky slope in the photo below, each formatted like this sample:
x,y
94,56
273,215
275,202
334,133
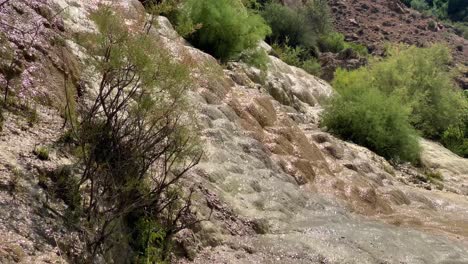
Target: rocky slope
x,y
279,189
374,23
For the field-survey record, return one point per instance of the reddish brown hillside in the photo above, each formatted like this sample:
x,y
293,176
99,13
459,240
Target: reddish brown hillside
x,y
375,22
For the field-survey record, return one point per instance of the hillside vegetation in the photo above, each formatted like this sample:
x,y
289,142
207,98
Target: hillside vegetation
x,y
412,86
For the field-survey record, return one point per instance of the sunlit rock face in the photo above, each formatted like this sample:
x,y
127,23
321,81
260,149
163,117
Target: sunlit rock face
x,y
275,187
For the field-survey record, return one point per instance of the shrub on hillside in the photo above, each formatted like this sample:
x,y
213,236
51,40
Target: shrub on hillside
x,y
455,137
461,29
227,27
423,80
137,140
368,117
298,57
298,27
332,42
288,25
358,48
335,42
255,57
420,5
415,79
318,15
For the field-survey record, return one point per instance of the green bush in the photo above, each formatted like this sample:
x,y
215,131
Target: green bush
x,y
366,116
335,42
288,26
254,4
332,42
423,80
418,81
455,138
298,57
148,241
298,27
419,5
312,66
318,16
358,48
255,57
32,117
227,27
461,29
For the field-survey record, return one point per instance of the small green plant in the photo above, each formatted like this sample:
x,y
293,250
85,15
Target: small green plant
x,y
332,42
312,66
57,41
461,29
358,48
150,241
335,42
318,15
67,137
171,9
41,152
298,57
255,57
